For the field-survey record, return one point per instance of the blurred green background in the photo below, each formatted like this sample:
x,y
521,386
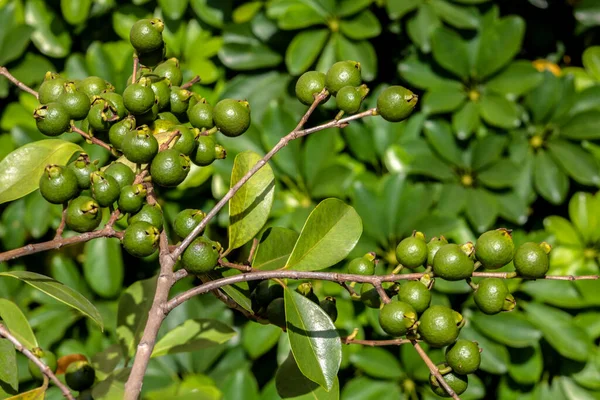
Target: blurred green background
x,y
506,134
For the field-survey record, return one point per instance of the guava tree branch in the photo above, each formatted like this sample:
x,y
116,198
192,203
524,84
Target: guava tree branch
x,y
44,368
93,139
434,370
18,83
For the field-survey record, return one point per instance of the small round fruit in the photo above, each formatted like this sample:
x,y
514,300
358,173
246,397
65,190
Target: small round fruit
x,y
85,395
146,35
140,146
153,58
122,174
47,358
186,142
80,375
76,103
458,383
149,116
52,119
349,99
364,265
92,86
531,261
162,92
201,256
105,188
495,249
201,115
397,317
170,69
115,102
206,151
139,97
452,264
309,85
132,198
58,184
180,101
416,294
463,357
51,88
167,116
186,221
83,214
433,246
149,213
490,295
169,168
411,252
328,304
439,326
141,239
276,312
306,290
100,117
369,296
396,103
341,74
82,168
232,117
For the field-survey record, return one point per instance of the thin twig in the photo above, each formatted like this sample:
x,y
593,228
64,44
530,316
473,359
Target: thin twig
x,y
229,302
136,64
189,84
252,251
92,139
434,370
43,367
166,144
376,343
18,83
63,220
350,289
239,267
381,291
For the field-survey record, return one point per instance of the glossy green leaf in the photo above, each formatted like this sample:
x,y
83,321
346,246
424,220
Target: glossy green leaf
x,y
347,8
103,266
512,207
291,383
377,362
440,137
501,174
125,16
509,328
22,168
452,199
304,50
275,246
132,313
498,44
258,339
422,25
465,121
8,360
329,234
361,51
50,35
193,334
549,179
456,16
242,51
444,100
526,364
420,74
563,231
19,40
494,357
582,126
173,9
75,12
314,341
241,385
250,206
584,212
518,78
362,26
543,100
240,292
591,61
450,51
481,209
560,331
16,322
298,16
58,291
363,388
578,163
498,111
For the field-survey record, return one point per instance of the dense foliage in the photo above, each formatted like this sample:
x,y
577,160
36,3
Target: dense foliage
x,y
506,134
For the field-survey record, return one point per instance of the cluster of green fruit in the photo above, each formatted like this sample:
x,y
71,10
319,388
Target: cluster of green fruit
x,y
343,80
79,374
412,314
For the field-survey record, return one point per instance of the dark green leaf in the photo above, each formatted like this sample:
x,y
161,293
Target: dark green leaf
x,y
590,322
440,137
512,207
8,360
250,206
276,245
398,8
420,74
276,122
246,11
125,16
242,51
214,13
498,111
107,360
442,100
582,126
50,35
421,26
494,357
526,364
315,343
39,214
16,322
13,48
377,362
363,388
509,328
103,266
549,179
450,51
584,212
173,9
452,199
578,163
298,16
240,292
498,44
552,292
291,383
542,100
132,314
304,50
481,209
345,8
591,61
194,334
563,231
113,387
466,120
58,291
361,145
258,339
362,26
456,16
502,174
516,79
75,12
241,385
361,51
329,234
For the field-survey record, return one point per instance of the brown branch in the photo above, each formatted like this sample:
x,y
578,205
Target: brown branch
x,y
166,144
376,343
18,83
252,251
136,64
239,267
434,370
63,220
43,367
381,291
189,84
229,302
92,139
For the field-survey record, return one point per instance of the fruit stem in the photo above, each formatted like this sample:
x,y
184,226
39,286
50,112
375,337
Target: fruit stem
x,y
63,220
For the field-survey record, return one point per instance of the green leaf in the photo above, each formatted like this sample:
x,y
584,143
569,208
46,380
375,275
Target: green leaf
x,y
544,99
499,111
276,245
481,209
466,120
582,126
512,207
363,388
560,331
563,231
590,322
75,12
8,360
314,341
398,8
192,335
442,100
291,383
330,232
113,387
549,179
526,364
240,292
450,51
240,385
494,357
298,16
258,339
39,214
304,50
99,63
17,324
452,199
516,79
578,163
132,313
509,328
34,394
440,137
123,18
591,61
242,51
245,12
21,169
421,26
103,266
361,51
501,174
214,13
584,212
420,74
345,8
13,48
498,44
362,26
372,359
250,206
173,9
458,17
50,35
58,291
